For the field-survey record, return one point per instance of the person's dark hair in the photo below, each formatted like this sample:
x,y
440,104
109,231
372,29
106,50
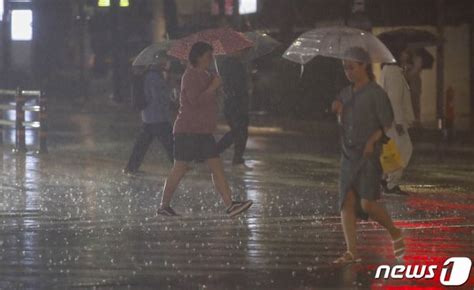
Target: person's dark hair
x,y
198,50
370,71
155,66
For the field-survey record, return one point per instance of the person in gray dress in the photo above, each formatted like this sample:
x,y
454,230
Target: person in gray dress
x,y
364,113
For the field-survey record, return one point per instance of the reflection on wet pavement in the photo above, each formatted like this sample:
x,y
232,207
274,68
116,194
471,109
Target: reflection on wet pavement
x,y
71,219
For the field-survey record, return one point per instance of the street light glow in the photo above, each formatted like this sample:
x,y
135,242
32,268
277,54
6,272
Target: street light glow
x,y
106,3
103,3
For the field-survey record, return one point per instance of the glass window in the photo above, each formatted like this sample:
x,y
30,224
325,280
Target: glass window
x,y
22,25
247,6
1,9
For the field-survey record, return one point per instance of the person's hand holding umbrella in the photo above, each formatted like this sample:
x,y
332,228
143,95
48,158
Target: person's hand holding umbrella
x,y
337,108
215,84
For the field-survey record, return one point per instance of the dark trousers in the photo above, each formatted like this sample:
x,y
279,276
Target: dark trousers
x,y
162,131
449,131
238,135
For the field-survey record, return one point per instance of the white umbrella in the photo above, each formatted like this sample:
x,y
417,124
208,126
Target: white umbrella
x,y
335,42
263,44
149,55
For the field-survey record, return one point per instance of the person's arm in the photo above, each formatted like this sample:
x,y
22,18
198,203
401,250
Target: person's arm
x,y
417,64
408,109
373,139
384,113
337,107
383,110
197,96
164,90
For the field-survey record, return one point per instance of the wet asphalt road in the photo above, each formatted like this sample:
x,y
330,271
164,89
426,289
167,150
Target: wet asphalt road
x,y
70,219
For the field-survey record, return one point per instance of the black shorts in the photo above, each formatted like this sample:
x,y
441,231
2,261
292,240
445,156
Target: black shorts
x,y
194,147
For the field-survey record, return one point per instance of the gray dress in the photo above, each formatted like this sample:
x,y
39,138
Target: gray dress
x,y
364,112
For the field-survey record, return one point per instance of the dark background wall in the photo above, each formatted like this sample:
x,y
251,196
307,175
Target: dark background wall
x,y
115,36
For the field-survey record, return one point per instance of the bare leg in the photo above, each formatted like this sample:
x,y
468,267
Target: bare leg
x,y
379,214
220,182
171,184
348,217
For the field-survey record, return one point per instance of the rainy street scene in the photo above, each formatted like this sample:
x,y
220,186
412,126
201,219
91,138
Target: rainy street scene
x,y
236,144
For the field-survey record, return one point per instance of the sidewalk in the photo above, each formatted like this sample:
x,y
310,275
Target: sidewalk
x,y
71,219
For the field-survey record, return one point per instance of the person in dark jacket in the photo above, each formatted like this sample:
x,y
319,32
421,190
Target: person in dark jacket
x,y
236,106
156,116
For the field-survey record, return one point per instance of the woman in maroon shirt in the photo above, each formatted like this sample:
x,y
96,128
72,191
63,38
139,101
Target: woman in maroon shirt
x,y
193,129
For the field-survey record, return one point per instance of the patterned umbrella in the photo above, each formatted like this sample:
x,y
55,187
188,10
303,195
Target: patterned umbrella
x,y
223,40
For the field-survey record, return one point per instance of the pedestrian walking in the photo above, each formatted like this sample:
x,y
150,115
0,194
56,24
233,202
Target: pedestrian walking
x,y
449,116
393,81
194,128
365,113
236,106
413,65
155,112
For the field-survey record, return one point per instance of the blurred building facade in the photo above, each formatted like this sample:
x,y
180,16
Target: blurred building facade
x,y
78,41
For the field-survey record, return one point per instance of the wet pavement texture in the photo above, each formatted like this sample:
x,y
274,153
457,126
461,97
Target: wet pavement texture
x,y
70,219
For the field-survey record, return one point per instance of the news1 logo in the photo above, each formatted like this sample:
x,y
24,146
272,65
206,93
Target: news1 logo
x,y
454,272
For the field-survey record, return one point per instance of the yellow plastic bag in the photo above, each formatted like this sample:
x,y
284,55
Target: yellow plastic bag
x,y
390,158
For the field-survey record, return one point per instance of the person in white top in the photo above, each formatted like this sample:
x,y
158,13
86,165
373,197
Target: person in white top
x,y
412,72
393,81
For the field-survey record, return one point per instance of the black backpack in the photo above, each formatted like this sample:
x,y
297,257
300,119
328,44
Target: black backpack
x,y
138,92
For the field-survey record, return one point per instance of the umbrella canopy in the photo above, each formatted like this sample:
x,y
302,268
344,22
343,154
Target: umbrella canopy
x,y
149,55
224,41
335,42
263,44
414,38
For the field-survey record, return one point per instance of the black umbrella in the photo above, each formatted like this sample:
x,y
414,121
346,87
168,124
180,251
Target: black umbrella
x,y
426,57
414,38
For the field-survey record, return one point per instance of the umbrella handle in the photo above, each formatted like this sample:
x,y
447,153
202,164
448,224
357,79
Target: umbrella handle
x,y
217,68
302,71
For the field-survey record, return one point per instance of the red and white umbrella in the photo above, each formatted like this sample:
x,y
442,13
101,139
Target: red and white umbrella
x,y
223,40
